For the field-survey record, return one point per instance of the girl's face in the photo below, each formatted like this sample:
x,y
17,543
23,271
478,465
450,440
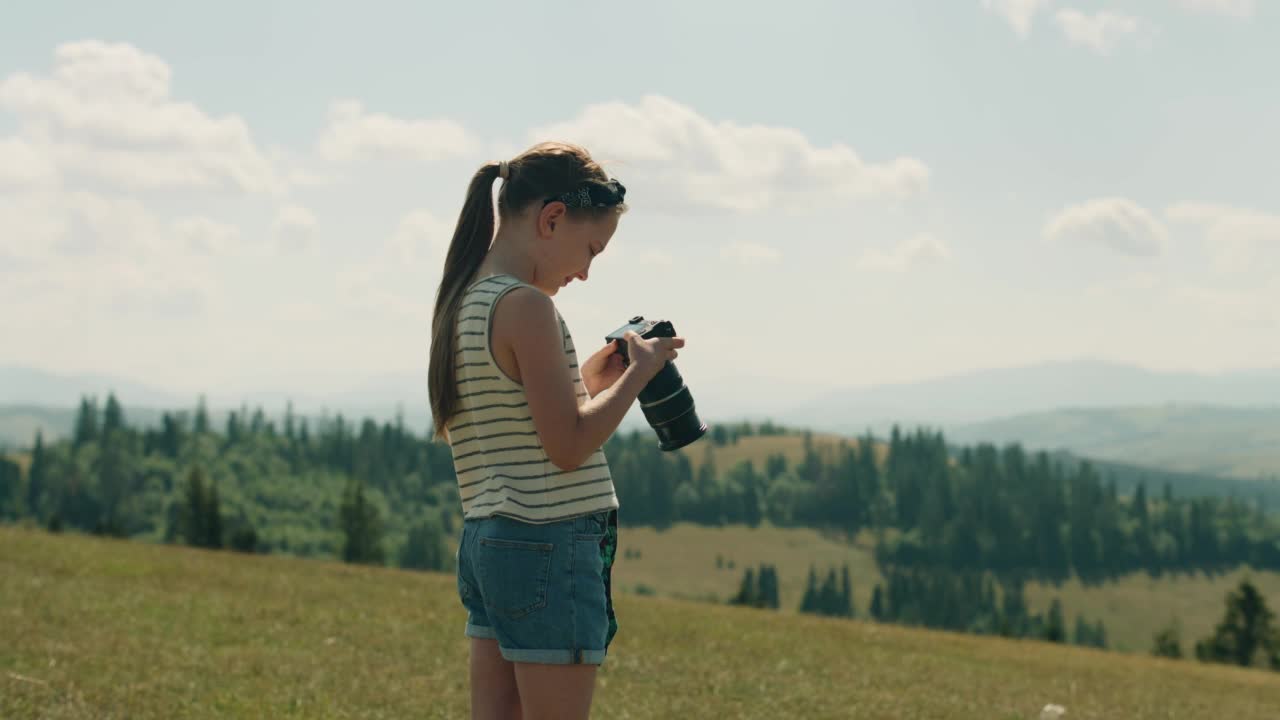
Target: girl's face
x,y
571,246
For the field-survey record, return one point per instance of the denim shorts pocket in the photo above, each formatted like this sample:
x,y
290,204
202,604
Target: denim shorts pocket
x,y
513,574
594,529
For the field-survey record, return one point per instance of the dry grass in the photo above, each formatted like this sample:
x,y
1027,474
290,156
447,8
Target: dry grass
x,y
680,562
97,628
758,448
1137,606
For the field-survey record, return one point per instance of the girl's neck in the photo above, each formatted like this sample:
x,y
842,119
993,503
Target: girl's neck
x,y
509,258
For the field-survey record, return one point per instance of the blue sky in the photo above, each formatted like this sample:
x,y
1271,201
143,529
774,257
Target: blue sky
x,y
255,195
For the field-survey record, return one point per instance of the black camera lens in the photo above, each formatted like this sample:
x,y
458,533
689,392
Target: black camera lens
x,y
668,406
666,401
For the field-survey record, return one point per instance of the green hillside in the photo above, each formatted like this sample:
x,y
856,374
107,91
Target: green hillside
x,y
109,628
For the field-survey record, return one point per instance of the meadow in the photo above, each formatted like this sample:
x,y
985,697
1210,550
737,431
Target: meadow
x,y
95,627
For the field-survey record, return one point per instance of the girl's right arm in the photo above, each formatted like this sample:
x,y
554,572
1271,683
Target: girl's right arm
x,y
525,320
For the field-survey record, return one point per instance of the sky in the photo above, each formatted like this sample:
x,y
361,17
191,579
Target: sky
x,y
248,196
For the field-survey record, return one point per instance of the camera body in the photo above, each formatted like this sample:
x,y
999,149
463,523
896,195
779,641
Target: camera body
x,y
666,401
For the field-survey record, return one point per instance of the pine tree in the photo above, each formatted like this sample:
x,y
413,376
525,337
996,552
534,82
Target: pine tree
x,y
113,416
86,423
829,596
809,603
213,519
1138,507
193,517
1168,642
1013,612
751,500
746,590
288,421
170,436
11,490
244,538
201,425
361,525
425,548
846,593
877,604
37,477
234,426
114,468
1083,634
1246,635
1055,627
768,591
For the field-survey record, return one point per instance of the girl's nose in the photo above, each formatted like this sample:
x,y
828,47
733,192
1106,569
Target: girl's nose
x,y
583,275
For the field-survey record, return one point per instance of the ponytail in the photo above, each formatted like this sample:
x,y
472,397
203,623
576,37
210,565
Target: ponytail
x,y
470,244
546,170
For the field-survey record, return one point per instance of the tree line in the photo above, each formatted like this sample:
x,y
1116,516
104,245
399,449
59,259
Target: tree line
x,y
379,493
978,508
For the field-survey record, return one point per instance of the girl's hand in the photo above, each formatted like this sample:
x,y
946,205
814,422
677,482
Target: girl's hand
x,y
602,369
649,356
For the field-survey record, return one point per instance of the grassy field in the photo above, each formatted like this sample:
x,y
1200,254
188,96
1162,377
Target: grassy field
x,y
680,562
1137,606
100,628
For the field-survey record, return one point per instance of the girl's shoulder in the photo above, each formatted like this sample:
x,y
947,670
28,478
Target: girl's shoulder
x,y
522,304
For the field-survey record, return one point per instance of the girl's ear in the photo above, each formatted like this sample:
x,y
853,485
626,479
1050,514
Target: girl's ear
x,y
551,214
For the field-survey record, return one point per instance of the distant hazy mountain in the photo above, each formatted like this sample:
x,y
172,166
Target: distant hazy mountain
x,y
992,394
27,386
34,399
1226,441
967,405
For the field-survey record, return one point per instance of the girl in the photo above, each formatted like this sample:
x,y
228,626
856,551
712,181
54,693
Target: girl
x,y
526,425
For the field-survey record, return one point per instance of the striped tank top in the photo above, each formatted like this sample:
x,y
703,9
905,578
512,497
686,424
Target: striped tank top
x,y
501,465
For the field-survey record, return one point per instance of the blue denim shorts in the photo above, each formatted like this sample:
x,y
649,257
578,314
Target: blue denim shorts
x,y
541,590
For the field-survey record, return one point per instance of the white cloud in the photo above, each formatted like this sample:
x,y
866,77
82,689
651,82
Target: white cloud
x,y
294,228
31,223
421,241
205,235
750,253
88,258
916,251
402,276
629,255
1236,236
105,112
355,134
670,156
1018,13
1230,8
23,166
1102,31
1117,223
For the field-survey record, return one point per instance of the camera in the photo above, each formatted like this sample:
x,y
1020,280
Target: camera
x,y
666,401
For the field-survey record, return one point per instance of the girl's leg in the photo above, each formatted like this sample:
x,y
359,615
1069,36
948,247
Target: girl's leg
x,y
556,692
494,694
